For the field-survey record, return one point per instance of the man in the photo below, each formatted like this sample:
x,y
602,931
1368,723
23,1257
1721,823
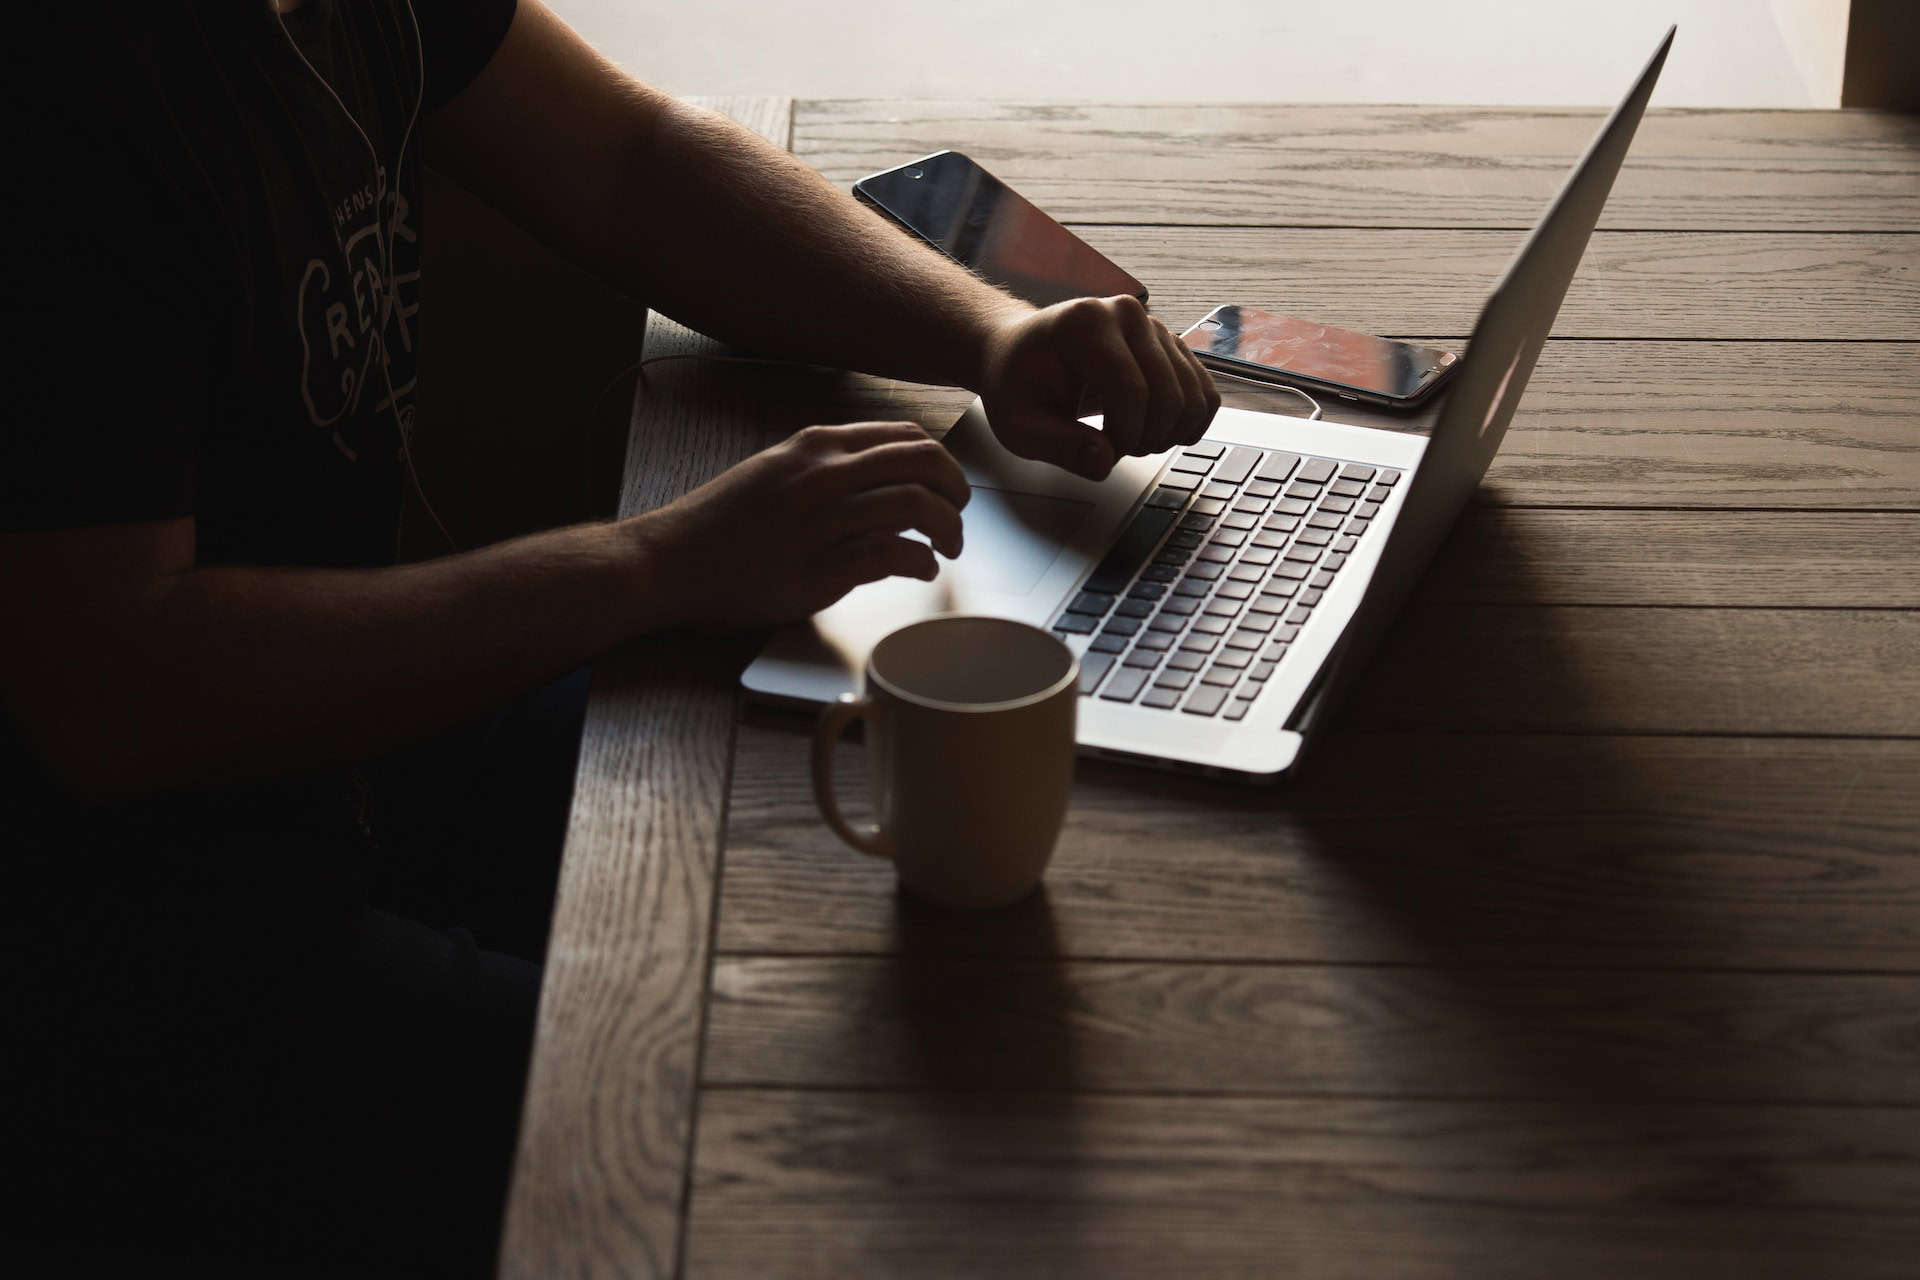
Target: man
x,y
214,666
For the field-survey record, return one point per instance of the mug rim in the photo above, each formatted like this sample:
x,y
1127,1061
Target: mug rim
x,y
1068,680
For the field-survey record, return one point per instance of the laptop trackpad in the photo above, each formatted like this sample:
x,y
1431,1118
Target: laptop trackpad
x,y
1014,538
1030,529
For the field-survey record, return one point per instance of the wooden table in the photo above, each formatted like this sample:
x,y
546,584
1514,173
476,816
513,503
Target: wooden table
x,y
1589,946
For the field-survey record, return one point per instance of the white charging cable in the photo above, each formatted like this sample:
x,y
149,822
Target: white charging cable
x,y
1271,386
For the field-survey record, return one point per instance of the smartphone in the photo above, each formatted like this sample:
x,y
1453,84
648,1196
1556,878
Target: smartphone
x,y
991,229
1319,357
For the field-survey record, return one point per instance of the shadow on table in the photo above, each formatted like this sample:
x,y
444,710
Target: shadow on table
x,y
1576,913
1542,919
1521,862
989,1057
1490,885
996,1015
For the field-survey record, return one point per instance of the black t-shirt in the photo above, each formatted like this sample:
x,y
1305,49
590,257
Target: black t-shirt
x,y
193,255
200,264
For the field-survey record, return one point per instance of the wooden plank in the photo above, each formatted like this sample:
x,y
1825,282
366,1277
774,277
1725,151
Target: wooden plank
x,y
1737,558
1400,166
930,1021
599,1178
1646,670
1686,424
802,1185
1655,284
1716,424
1397,848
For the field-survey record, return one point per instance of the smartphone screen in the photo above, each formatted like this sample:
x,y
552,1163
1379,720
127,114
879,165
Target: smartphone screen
x,y
1376,367
987,226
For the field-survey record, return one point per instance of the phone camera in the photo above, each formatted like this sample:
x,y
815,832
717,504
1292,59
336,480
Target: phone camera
x,y
1209,325
916,173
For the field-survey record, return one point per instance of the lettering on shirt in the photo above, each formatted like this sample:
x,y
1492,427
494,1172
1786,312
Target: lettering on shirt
x,y
350,315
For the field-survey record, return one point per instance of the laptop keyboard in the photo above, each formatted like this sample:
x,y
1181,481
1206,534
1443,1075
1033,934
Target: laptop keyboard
x,y
1195,604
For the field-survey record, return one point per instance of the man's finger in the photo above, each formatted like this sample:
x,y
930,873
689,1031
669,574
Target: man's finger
x,y
1207,383
850,436
894,510
1166,396
923,461
1050,437
871,557
1097,351
1196,388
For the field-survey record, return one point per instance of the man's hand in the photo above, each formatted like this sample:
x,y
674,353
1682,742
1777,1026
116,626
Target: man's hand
x,y
792,529
1043,370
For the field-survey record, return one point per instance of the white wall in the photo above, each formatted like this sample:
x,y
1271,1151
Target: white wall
x,y
1815,32
1729,52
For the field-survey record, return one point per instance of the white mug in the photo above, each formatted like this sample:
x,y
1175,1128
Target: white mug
x,y
970,726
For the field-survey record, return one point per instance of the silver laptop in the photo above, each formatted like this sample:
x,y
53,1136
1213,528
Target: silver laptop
x,y
1223,596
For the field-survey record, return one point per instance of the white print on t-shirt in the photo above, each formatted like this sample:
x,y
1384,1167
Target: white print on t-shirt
x,y
352,205
340,306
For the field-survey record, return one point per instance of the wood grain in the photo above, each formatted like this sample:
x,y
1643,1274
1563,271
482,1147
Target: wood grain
x,y
1778,559
1654,284
1462,849
1716,424
605,1131
930,1021
1582,669
1392,166
918,1185
1680,424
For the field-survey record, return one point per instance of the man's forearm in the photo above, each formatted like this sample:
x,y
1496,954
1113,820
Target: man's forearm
x,y
830,281
714,226
232,673
703,219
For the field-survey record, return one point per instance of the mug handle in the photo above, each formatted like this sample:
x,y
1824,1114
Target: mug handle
x,y
833,723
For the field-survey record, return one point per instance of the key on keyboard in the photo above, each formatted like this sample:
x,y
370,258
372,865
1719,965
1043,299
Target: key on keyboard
x,y
1199,599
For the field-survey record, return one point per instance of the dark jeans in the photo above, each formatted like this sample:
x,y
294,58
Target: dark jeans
x,y
299,1045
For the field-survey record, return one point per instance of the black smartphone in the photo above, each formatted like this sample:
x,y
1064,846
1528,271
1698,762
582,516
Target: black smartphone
x,y
1319,357
991,229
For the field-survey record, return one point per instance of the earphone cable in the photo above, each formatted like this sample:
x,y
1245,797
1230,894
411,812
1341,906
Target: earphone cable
x,y
385,235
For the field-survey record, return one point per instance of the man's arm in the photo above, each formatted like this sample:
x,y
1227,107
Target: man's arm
x,y
127,669
712,225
